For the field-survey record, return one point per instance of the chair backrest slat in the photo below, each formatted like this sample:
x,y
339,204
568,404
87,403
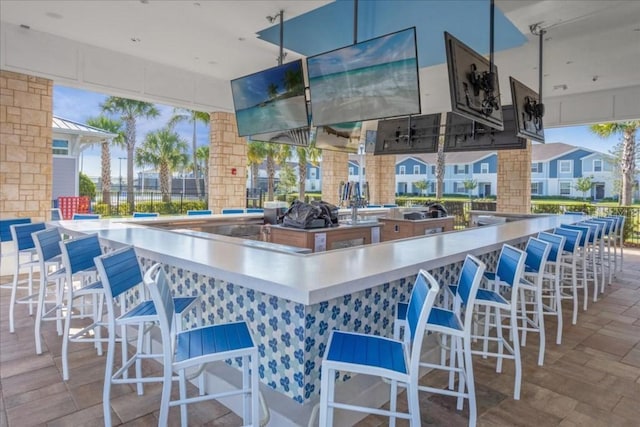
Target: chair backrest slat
x,y
232,211
510,264
468,283
537,253
156,281
572,238
145,214
199,212
423,296
555,241
21,234
5,227
584,237
47,243
119,271
255,210
81,216
78,253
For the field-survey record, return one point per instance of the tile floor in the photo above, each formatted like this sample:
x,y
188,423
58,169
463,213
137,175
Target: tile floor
x,y
592,379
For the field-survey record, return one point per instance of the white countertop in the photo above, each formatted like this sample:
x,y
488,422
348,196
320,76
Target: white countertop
x,y
310,279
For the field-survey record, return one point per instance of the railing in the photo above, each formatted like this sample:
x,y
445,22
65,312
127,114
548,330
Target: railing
x,y
148,201
460,210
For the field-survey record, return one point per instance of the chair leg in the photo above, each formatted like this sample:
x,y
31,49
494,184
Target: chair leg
x,y
39,311
326,397
516,354
14,289
525,316
574,285
246,397
500,336
540,323
138,362
393,399
452,363
461,374
487,321
166,391
255,392
106,391
65,336
414,404
182,381
558,303
468,373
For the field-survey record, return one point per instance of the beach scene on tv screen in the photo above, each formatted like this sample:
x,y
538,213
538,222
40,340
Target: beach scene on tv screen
x,y
270,100
369,80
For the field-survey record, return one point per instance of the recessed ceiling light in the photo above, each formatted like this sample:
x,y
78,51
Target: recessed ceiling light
x,y
212,62
241,39
144,1
135,39
53,15
548,38
636,29
546,75
196,4
25,26
569,62
535,68
560,87
197,58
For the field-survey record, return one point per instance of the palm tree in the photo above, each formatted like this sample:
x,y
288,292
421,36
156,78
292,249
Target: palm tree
x,y
309,154
628,157
112,126
130,110
440,165
202,156
256,153
193,117
272,90
164,150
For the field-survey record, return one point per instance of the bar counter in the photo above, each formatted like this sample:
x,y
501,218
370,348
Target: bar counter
x,y
291,300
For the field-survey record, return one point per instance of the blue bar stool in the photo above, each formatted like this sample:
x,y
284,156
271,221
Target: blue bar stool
x,y
454,324
199,212
551,280
196,348
569,266
24,248
619,238
390,359
5,236
82,216
145,214
56,214
531,304
120,273
496,299
47,243
79,267
596,253
585,262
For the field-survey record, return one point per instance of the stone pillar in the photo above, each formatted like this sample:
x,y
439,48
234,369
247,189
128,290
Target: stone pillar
x,y
381,175
335,169
514,180
227,164
26,156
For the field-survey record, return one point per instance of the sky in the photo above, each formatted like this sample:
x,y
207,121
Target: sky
x,y
79,105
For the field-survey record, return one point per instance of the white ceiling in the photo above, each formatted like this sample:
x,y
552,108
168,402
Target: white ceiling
x,y
590,46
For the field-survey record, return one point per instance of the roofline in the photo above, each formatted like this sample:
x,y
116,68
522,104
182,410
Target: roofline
x,y
82,132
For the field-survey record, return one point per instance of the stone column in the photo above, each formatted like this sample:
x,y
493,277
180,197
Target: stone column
x,y
514,180
380,173
26,156
335,169
227,164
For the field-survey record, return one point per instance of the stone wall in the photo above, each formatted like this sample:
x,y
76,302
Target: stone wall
x,y
380,173
334,169
514,180
26,159
227,164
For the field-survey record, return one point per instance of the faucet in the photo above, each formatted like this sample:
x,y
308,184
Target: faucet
x,y
354,212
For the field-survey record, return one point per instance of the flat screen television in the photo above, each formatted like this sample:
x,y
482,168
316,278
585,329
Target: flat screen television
x,y
475,92
298,137
339,137
408,135
270,100
462,134
373,79
528,111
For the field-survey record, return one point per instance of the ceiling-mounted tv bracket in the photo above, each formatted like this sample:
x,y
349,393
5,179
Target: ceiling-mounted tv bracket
x,y
485,81
272,19
535,108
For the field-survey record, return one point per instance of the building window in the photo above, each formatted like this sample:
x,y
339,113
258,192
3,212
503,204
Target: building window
x,y
536,188
433,170
536,167
312,173
484,167
565,188
565,166
402,170
458,187
597,165
351,170
416,169
432,186
61,146
461,169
